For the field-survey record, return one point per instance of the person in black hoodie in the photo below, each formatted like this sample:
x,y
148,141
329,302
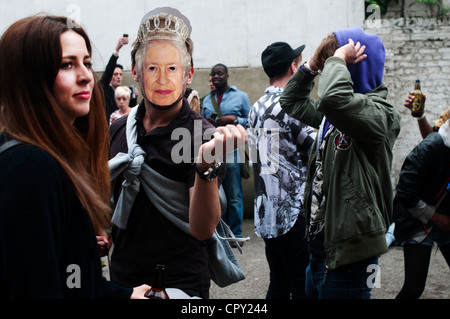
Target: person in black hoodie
x,y
112,78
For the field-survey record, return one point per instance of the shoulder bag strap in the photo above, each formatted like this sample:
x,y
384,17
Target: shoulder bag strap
x,y
214,103
8,145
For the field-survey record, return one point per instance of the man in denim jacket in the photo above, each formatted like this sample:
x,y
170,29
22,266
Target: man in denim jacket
x,y
233,107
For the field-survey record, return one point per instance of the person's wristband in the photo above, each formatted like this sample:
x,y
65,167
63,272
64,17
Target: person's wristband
x,y
420,117
305,67
211,172
116,52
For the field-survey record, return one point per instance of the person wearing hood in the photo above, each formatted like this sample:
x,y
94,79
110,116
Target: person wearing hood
x,y
422,208
348,192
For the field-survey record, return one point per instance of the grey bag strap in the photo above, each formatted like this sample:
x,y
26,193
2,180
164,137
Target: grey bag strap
x,y
8,145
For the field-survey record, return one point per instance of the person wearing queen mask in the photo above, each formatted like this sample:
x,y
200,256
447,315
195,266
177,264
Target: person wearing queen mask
x,y
167,209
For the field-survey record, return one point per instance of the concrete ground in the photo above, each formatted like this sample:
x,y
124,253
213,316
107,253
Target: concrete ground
x,y
254,264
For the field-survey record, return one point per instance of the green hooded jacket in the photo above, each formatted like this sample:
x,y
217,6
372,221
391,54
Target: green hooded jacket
x,y
357,174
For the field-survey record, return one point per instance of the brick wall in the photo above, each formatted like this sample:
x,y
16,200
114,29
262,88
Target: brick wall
x,y
416,48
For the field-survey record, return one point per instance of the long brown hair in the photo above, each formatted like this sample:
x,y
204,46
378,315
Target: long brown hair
x,y
31,57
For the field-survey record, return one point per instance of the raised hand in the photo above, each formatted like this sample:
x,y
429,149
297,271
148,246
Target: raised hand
x,y
351,53
225,140
409,100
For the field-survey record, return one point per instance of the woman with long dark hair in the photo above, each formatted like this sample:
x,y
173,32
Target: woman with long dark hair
x,y
54,185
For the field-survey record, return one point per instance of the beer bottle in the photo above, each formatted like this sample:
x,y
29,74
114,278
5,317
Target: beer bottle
x,y
104,258
158,289
417,109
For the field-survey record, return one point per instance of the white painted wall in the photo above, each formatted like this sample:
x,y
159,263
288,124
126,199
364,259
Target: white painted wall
x,y
231,31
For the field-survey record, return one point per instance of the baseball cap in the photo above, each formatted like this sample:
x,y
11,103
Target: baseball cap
x,y
277,57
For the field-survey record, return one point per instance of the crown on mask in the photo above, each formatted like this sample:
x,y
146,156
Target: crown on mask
x,y
164,23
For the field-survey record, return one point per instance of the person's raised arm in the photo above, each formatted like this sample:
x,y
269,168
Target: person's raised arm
x,y
109,70
205,210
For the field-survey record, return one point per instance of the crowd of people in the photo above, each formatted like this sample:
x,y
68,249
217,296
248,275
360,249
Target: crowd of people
x,y
73,179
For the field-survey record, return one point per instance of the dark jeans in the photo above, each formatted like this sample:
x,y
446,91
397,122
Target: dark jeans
x,y
417,259
353,281
288,258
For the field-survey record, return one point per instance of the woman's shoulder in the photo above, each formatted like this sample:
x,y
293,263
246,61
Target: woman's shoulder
x,y
28,151
28,156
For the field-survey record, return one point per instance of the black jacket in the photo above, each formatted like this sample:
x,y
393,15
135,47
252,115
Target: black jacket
x,y
108,91
48,247
423,177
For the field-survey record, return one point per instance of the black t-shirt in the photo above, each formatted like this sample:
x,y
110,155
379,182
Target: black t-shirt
x,y
150,238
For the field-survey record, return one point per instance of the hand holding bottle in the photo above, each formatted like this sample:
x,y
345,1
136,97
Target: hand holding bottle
x,y
415,105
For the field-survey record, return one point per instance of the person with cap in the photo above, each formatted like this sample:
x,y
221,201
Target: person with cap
x,y
167,204
279,184
348,193
228,105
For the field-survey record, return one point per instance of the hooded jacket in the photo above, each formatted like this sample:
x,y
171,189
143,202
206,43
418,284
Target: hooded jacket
x,y
358,152
368,74
424,179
